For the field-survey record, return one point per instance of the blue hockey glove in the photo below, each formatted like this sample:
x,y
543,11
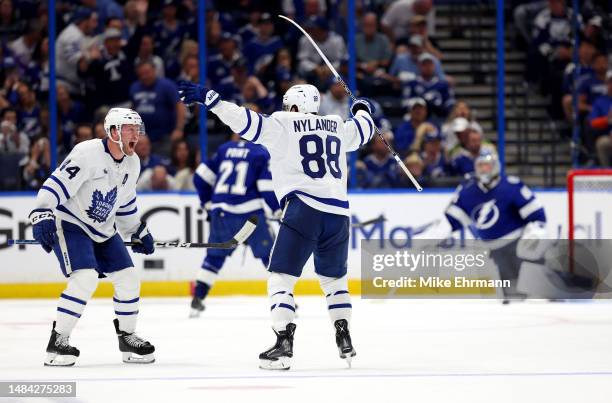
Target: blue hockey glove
x,y
362,104
190,93
43,228
144,239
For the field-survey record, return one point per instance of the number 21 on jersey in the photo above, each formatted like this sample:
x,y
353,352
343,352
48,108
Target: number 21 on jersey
x,y
225,170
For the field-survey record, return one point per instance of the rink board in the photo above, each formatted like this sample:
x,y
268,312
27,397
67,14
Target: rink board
x,y
177,216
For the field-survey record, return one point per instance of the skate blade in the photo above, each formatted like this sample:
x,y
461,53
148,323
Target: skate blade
x,y
280,364
194,313
348,357
55,360
133,358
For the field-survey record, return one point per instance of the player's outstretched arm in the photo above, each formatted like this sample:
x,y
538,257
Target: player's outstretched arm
x,y
359,129
250,125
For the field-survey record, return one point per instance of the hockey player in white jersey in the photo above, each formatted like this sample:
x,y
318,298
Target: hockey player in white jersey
x,y
79,210
309,174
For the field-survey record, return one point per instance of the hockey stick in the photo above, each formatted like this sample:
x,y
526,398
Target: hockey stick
x,y
241,236
348,91
362,224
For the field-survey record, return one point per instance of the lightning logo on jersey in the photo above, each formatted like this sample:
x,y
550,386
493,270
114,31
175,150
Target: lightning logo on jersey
x,y
499,212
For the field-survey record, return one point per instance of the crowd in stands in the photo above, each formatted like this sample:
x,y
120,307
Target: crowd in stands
x,y
547,30
131,53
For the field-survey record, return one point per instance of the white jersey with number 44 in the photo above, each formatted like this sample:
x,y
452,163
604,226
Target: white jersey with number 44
x,y
308,152
94,191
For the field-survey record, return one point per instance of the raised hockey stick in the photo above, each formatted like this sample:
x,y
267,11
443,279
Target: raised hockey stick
x,y
348,91
241,236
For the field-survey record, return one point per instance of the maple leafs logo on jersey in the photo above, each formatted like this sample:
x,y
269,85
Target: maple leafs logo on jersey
x,y
101,205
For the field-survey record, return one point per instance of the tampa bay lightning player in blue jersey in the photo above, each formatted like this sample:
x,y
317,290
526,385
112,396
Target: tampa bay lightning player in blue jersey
x,y
232,186
504,213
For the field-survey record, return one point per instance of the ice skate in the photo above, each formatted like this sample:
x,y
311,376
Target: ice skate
x,y
133,348
278,357
343,341
59,351
197,307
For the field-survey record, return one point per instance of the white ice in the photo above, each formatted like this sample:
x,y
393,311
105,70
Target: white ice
x,y
407,351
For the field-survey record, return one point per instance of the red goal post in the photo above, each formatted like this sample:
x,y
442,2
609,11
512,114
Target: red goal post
x,y
597,187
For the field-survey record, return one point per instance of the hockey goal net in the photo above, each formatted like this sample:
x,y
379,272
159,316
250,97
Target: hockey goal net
x,y
589,206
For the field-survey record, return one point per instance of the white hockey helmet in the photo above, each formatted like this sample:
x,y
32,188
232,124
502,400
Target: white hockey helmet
x,y
117,117
486,167
305,97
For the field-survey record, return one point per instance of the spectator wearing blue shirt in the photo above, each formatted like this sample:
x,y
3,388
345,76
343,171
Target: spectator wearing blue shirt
x,y
149,160
594,86
586,52
406,133
600,121
260,50
71,113
220,65
156,100
169,33
28,112
378,169
550,49
435,164
405,65
436,92
462,158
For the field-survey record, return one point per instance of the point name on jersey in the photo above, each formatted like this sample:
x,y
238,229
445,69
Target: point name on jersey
x,y
237,153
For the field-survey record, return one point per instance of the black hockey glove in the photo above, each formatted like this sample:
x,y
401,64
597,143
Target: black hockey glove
x,y
362,104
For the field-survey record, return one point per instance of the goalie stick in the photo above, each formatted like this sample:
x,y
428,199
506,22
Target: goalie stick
x,y
242,235
350,93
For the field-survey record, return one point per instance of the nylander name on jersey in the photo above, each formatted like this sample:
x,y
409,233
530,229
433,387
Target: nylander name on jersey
x,y
236,179
500,212
308,151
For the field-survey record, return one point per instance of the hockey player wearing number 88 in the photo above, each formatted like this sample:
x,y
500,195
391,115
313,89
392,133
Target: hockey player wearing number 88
x,y
309,174
78,211
232,186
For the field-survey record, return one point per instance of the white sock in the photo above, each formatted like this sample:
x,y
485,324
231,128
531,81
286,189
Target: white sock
x,y
126,299
337,296
81,285
280,291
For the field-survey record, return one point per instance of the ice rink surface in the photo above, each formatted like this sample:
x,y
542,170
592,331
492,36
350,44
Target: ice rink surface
x,y
407,351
